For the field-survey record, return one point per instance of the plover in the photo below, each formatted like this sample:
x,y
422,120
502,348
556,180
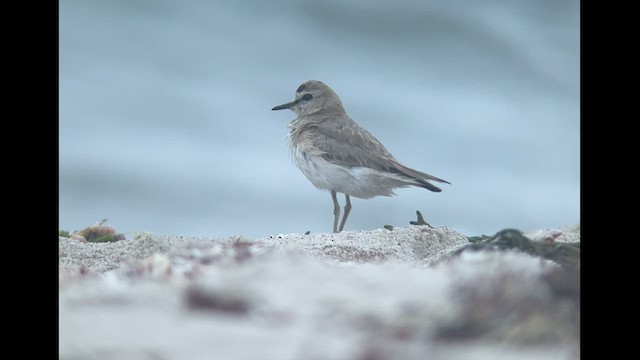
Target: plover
x,y
338,155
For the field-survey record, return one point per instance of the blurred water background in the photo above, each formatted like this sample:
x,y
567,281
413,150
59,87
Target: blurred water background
x,y
165,122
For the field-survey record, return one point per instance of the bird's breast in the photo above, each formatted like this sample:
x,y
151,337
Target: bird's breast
x,y
309,163
356,181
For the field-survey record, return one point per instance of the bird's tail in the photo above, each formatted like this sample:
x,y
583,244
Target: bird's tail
x,y
420,178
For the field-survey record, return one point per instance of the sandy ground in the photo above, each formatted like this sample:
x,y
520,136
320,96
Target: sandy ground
x,y
373,295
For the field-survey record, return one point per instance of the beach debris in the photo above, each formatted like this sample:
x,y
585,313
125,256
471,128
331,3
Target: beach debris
x,y
420,220
475,239
516,308
97,232
199,297
564,253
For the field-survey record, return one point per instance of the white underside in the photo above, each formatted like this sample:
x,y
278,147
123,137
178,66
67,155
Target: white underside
x,y
360,182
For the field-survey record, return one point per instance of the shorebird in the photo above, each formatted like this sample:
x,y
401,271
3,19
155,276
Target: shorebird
x,y
338,155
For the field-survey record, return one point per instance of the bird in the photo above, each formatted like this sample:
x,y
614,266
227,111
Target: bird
x,y
338,155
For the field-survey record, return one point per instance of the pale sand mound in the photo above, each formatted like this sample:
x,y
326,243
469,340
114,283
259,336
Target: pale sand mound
x,y
355,295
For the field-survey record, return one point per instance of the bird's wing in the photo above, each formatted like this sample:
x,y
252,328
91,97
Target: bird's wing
x,y
346,143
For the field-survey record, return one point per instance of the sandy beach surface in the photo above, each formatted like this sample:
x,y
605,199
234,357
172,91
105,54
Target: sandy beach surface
x,y
369,295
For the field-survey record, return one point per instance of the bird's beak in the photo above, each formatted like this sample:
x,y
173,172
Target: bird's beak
x,y
286,106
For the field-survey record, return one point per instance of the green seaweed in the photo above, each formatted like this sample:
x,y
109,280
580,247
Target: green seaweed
x,y
420,220
563,253
475,239
105,238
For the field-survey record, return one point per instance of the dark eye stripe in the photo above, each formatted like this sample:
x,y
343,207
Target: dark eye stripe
x,y
307,97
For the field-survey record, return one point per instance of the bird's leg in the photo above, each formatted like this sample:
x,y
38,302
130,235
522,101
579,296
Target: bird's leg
x,y
347,210
336,211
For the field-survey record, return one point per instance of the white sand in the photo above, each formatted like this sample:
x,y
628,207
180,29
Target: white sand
x,y
356,295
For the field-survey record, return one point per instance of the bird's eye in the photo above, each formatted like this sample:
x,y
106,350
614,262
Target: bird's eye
x,y
307,97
